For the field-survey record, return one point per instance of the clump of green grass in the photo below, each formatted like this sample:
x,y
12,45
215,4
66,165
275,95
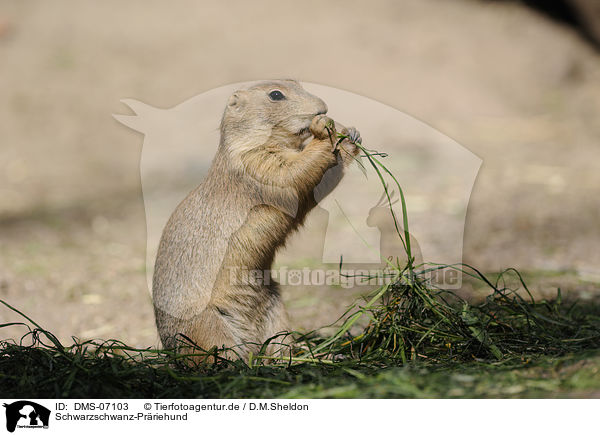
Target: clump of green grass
x,y
45,369
412,319
413,326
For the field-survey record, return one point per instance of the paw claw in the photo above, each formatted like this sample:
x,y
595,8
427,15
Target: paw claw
x,y
353,135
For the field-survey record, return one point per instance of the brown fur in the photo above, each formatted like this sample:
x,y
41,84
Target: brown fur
x,y
260,187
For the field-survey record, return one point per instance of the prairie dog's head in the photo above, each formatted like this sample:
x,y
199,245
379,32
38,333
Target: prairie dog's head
x,y
278,109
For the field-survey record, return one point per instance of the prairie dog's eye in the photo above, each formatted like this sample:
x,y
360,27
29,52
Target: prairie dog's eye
x,y
276,95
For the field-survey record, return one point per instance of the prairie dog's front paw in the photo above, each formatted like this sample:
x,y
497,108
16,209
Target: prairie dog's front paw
x,y
353,135
322,126
349,143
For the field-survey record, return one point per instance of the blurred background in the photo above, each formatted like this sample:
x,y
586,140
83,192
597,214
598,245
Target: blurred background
x,y
516,83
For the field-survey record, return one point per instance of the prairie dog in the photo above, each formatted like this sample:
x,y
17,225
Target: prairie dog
x,y
262,183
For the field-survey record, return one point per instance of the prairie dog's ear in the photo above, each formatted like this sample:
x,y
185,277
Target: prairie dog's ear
x,y
237,101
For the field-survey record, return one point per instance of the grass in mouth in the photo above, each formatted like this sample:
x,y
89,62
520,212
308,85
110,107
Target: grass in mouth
x,y
412,329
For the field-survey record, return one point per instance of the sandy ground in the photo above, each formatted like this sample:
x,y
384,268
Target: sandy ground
x,y
515,89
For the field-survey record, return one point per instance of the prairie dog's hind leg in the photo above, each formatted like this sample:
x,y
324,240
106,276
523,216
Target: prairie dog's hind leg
x,y
278,325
